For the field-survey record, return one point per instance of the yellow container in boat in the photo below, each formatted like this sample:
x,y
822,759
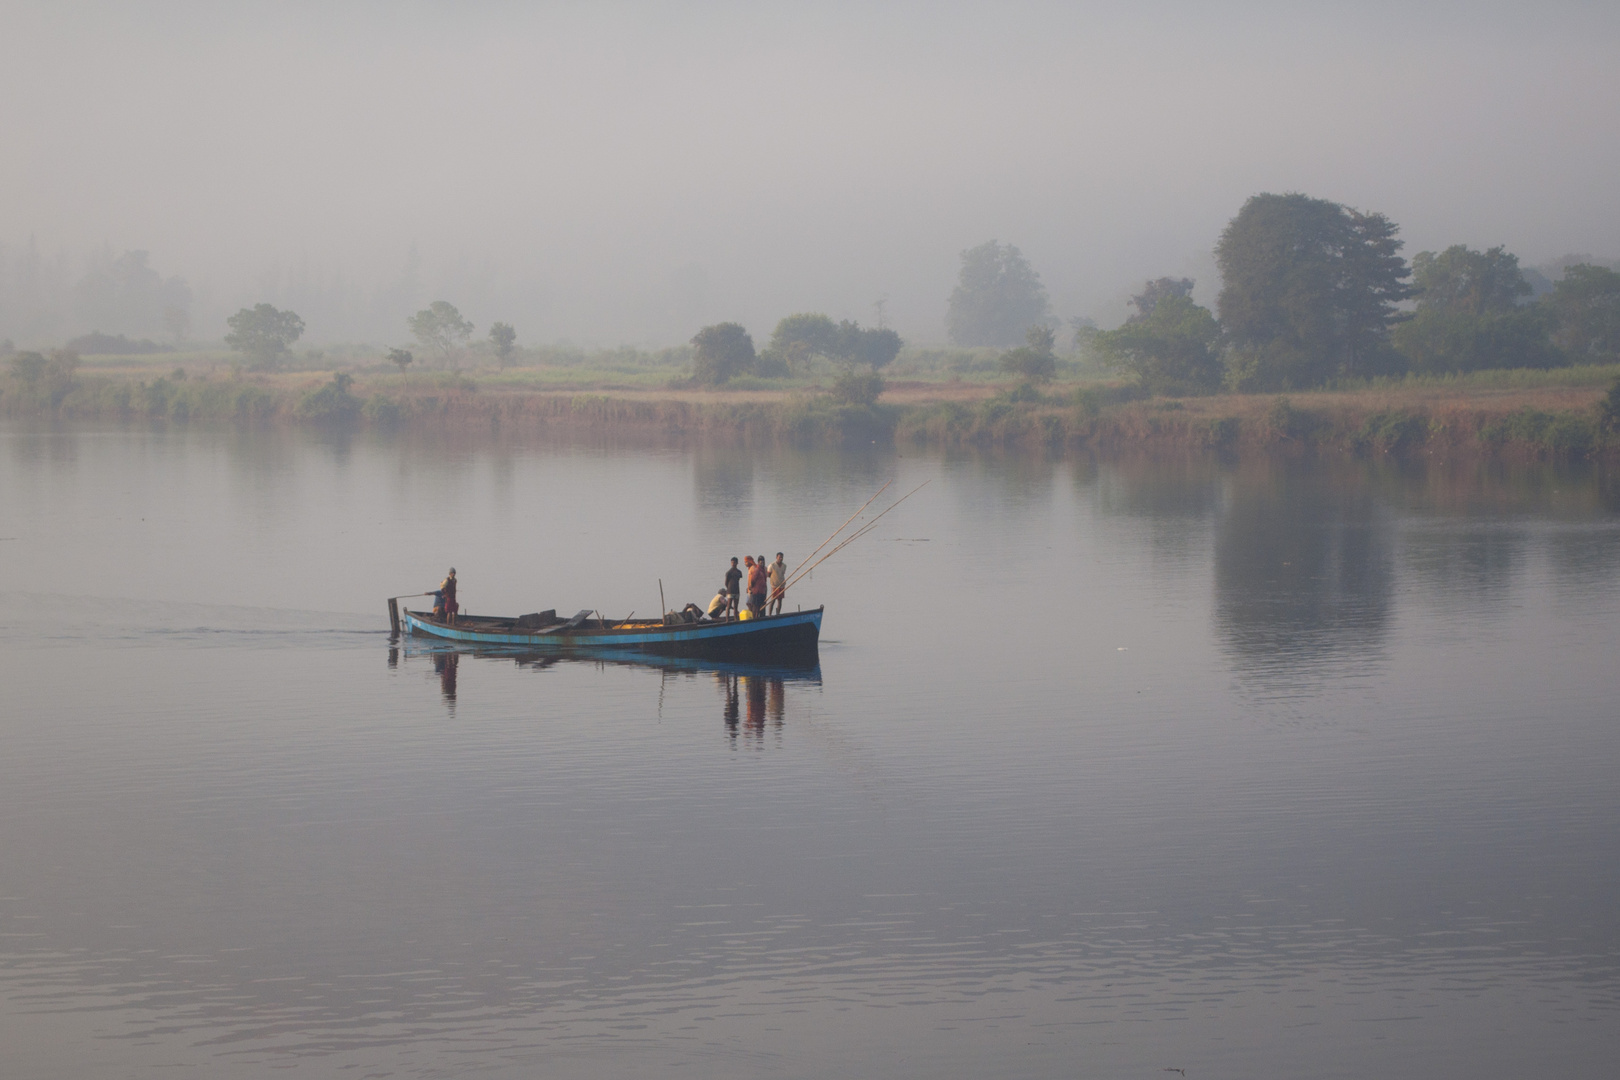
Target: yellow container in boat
x,y
744,615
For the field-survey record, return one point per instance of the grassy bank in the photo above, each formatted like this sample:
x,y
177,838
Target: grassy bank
x,y
1526,414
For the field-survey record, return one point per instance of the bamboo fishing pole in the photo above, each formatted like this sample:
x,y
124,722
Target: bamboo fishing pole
x,y
840,529
862,531
869,526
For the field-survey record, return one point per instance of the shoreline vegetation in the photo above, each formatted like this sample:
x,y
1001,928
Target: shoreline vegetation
x,y
1561,413
1324,340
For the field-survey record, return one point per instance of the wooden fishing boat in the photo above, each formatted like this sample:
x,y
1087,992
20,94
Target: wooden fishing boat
x,y
772,639
785,638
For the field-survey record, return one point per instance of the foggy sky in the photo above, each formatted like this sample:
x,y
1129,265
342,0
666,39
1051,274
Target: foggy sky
x,y
626,173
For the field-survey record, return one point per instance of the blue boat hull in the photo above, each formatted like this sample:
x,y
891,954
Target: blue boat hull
x,y
778,638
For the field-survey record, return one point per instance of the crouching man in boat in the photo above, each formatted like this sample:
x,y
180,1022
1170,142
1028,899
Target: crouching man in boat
x,y
444,601
720,604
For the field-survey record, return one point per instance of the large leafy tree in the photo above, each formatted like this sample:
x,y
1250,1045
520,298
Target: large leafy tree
x,y
1309,292
264,334
809,331
441,330
1469,314
1469,282
1170,343
1158,289
1586,304
27,367
998,296
866,345
796,340
721,351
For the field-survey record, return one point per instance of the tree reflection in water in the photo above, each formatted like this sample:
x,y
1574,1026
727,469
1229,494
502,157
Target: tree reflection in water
x,y
1307,553
1304,573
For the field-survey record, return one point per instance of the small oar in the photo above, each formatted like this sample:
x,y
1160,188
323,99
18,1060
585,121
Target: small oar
x,y
393,609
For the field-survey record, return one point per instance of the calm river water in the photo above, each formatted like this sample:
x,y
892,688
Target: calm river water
x,y
1252,770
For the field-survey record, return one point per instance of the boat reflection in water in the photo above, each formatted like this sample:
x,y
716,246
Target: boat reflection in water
x,y
763,694
753,696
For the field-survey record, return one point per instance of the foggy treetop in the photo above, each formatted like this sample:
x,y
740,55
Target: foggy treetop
x,y
614,173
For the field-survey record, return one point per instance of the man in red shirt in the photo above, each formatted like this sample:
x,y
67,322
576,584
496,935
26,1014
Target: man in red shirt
x,y
756,585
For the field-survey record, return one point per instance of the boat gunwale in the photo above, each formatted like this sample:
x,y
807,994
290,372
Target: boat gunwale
x,y
638,633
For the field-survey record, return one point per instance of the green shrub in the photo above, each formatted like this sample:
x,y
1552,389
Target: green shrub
x,y
1288,422
1224,431
1023,393
721,351
995,409
332,403
381,411
1570,435
27,367
253,403
857,387
158,396
1562,432
1169,345
1093,399
1609,408
1391,430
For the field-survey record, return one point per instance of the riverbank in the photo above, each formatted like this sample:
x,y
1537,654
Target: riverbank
x,y
1515,413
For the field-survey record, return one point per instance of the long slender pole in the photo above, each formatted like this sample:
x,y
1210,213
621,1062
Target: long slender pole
x,y
842,527
862,531
664,611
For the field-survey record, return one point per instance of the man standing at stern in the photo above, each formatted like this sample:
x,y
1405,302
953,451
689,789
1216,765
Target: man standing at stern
x,y
448,588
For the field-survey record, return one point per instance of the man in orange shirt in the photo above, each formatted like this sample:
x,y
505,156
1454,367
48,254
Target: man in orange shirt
x,y
756,586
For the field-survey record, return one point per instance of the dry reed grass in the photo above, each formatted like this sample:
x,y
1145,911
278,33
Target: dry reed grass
x,y
1450,417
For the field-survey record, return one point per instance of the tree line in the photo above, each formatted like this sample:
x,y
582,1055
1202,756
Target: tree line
x,y
265,335
1313,292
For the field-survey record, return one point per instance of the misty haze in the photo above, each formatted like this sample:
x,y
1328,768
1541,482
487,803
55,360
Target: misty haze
x,y
729,540
624,174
